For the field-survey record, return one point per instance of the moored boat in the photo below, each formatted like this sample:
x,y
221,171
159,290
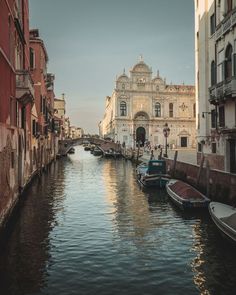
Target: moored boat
x,y
71,151
185,196
97,151
111,153
224,217
152,173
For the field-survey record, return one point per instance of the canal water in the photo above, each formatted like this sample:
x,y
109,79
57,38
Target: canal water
x,y
86,227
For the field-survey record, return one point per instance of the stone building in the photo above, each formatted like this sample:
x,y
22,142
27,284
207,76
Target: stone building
x,y
215,52
141,105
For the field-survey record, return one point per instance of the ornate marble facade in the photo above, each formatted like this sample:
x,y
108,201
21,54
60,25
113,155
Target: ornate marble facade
x,y
141,105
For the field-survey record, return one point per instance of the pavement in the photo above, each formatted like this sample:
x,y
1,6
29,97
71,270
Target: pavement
x,y
184,155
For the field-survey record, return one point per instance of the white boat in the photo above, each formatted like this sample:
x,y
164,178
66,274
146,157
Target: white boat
x,y
185,196
224,217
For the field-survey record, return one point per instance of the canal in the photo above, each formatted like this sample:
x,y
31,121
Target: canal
x,y
86,227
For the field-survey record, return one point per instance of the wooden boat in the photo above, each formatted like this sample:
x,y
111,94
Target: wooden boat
x,y
152,173
111,153
87,147
71,151
97,151
185,196
224,217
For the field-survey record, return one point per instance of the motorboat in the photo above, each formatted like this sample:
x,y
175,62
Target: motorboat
x,y
152,173
186,196
71,151
224,217
97,151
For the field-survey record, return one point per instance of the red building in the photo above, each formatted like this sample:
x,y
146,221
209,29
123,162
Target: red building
x,y
16,99
44,98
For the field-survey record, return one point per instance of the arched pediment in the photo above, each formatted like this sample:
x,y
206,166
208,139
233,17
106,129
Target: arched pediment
x,y
123,78
141,116
184,133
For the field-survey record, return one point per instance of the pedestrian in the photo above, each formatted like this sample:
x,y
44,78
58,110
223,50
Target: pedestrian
x,y
152,155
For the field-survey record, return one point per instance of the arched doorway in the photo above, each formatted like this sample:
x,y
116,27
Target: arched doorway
x,y
140,135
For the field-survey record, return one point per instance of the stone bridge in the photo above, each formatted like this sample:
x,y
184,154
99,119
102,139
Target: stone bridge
x,y
66,144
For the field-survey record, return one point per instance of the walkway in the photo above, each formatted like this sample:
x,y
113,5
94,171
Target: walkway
x,y
187,156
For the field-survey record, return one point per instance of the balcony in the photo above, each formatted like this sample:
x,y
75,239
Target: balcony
x,y
222,91
24,87
226,25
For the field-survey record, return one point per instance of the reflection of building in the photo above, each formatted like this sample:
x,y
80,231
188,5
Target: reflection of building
x,y
140,106
215,33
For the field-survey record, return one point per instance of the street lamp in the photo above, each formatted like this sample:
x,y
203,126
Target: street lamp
x,y
166,132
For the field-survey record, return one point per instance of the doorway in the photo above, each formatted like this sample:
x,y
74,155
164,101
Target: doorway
x,y
141,135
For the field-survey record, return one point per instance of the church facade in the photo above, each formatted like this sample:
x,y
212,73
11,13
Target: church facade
x,y
141,106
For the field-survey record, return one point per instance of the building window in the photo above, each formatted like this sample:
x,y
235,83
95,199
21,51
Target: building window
x,y
199,147
228,61
213,24
220,67
13,112
222,116
213,118
229,6
123,108
157,109
213,147
194,110
213,73
171,110
34,128
32,60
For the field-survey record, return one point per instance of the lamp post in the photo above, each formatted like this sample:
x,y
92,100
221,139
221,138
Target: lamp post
x,y
166,132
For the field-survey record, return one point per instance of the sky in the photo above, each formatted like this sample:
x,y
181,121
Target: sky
x,y
90,42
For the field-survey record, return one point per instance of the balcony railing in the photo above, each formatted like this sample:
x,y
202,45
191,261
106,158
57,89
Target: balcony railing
x,y
24,87
226,25
223,90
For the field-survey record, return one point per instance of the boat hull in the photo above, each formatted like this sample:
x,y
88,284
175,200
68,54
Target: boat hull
x,y
186,202
220,213
148,181
154,177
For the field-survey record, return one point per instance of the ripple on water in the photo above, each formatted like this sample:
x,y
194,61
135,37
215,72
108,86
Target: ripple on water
x,y
87,228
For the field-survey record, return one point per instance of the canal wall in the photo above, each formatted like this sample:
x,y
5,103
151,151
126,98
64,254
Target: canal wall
x,y
18,166
220,185
10,166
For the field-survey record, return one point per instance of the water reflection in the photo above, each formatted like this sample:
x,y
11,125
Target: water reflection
x,y
26,256
86,227
214,265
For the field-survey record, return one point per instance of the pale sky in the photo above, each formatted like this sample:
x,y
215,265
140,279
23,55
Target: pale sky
x,y
90,42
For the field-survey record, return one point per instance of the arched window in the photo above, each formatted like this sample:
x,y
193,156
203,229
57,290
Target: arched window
x,y
171,110
123,108
194,110
157,109
213,73
228,61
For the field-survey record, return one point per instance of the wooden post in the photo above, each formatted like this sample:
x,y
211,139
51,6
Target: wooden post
x,y
160,156
200,169
174,164
138,152
207,179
